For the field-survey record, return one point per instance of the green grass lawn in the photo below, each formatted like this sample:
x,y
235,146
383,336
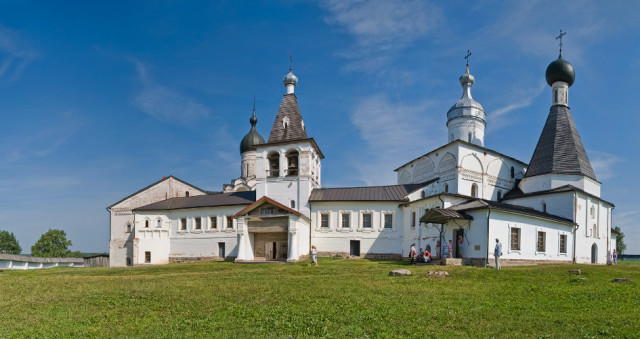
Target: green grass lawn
x,y
340,298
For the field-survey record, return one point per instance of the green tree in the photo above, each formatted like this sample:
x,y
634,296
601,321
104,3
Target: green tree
x,y
9,243
620,245
54,243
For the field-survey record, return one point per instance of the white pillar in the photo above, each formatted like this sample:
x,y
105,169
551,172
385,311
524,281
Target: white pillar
x,y
293,242
245,251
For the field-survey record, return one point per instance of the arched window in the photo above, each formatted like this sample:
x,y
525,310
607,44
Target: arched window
x,y
513,172
474,190
499,195
186,194
292,163
293,204
446,188
544,207
128,228
274,164
146,224
159,223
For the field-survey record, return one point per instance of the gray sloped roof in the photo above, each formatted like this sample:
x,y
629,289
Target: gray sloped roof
x,y
560,148
489,204
155,183
294,129
222,199
371,193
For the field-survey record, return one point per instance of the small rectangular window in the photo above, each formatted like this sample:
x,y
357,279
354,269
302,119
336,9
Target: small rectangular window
x,y
345,220
147,257
198,221
183,224
515,239
324,220
563,243
388,220
159,223
366,220
229,222
413,219
541,246
214,222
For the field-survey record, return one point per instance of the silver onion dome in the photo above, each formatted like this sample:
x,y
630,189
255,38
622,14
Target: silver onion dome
x,y
290,78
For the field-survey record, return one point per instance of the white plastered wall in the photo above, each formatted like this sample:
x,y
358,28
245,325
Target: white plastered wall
x,y
121,241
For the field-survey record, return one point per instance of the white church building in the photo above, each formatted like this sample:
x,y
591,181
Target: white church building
x,y
548,210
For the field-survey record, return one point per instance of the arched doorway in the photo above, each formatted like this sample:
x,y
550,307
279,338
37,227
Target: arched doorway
x,y
594,254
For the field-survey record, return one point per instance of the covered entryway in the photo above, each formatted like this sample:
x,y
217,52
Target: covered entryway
x,y
270,246
594,254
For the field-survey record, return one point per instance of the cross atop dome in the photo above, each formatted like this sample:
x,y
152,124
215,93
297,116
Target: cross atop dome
x,y
559,37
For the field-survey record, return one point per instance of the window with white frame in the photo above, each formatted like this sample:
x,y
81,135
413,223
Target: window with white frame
x,y
324,220
183,224
159,224
198,223
514,243
346,217
540,246
388,220
213,223
128,228
366,220
230,222
147,257
146,224
563,243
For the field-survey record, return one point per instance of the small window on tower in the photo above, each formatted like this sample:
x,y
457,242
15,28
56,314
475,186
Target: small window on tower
x,y
446,188
146,224
274,164
474,190
292,163
293,204
513,172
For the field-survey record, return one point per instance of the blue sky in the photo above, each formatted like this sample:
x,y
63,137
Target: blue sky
x,y
100,99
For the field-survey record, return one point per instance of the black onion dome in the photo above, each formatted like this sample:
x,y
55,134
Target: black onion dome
x,y
252,138
560,70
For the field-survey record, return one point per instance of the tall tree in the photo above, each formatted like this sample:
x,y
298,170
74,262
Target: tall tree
x,y
53,243
9,244
620,245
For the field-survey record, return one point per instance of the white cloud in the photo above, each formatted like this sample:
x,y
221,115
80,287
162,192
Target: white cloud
x,y
522,98
381,28
14,54
603,164
163,103
392,132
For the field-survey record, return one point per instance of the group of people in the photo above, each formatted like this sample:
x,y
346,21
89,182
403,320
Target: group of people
x,y
612,259
424,256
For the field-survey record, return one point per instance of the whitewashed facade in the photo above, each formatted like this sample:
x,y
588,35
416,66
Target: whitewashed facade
x,y
549,210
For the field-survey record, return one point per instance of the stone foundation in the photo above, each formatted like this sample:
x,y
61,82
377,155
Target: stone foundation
x,y
181,260
372,256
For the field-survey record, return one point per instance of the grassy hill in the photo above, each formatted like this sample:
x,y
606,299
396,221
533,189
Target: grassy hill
x,y
340,298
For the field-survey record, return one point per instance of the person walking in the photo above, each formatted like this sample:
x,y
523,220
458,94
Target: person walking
x,y
314,255
609,258
460,245
615,257
412,253
497,252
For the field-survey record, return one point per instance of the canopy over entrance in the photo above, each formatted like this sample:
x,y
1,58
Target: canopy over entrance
x,y
439,215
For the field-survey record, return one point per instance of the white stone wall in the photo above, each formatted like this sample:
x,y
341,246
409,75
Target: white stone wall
x,y
592,215
500,227
550,181
376,240
459,166
121,240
